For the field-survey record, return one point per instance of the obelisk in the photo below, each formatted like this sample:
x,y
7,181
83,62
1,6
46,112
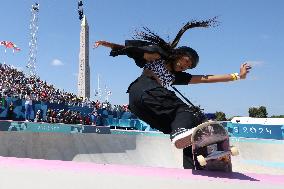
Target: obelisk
x,y
84,68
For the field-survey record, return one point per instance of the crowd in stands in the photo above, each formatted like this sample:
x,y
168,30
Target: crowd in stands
x,y
14,83
99,115
63,116
96,117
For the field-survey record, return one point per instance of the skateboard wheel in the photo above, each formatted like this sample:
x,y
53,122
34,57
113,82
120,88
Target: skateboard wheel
x,y
234,151
201,160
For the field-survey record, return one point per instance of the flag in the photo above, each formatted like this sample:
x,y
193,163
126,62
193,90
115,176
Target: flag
x,y
11,45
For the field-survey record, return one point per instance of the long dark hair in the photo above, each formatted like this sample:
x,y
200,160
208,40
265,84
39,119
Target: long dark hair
x,y
170,47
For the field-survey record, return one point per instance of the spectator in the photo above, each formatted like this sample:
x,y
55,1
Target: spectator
x,y
2,102
99,120
94,118
48,115
38,116
53,116
10,113
87,120
28,108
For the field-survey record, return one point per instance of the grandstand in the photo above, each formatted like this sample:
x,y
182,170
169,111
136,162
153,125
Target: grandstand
x,y
56,106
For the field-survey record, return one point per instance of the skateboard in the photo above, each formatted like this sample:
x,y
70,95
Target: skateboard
x,y
211,148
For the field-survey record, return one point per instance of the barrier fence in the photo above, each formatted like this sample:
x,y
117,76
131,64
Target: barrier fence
x,y
235,130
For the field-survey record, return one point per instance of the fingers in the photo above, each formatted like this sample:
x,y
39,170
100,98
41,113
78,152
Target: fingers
x,y
245,69
246,66
97,44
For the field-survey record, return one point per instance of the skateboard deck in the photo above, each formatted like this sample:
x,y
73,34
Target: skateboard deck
x,y
211,148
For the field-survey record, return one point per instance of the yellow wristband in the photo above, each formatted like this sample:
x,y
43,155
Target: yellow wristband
x,y
234,76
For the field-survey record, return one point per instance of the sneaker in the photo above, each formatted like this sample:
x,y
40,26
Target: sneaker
x,y
181,138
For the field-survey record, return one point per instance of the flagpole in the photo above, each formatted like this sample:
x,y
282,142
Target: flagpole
x,y
99,92
98,83
5,55
106,93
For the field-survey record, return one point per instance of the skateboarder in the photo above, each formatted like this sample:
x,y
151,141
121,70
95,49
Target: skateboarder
x,y
164,65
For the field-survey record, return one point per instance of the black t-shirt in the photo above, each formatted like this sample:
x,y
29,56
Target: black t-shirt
x,y
182,78
135,49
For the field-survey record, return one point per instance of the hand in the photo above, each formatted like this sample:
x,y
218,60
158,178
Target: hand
x,y
244,70
100,43
108,44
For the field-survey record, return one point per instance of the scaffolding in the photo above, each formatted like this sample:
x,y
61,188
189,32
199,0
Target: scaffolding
x,y
33,40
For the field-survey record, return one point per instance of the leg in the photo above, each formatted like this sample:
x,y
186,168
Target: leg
x,y
188,162
150,107
163,110
182,129
183,119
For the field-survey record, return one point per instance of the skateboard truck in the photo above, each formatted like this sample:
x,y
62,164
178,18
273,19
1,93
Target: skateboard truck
x,y
216,155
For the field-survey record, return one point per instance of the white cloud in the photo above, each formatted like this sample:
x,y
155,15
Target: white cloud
x,y
57,62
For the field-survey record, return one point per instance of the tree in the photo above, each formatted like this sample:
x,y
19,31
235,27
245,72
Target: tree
x,y
253,112
262,112
277,116
258,112
220,116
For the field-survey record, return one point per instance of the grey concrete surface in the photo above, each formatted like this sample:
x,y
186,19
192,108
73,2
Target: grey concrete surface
x,y
110,149
258,156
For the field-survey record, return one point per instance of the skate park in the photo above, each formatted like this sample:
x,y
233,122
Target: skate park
x,y
130,158
119,150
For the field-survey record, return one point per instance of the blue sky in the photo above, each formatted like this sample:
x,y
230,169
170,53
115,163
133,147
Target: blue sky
x,y
248,31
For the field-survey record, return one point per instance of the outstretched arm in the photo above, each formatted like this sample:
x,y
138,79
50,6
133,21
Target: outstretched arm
x,y
147,56
108,44
244,70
